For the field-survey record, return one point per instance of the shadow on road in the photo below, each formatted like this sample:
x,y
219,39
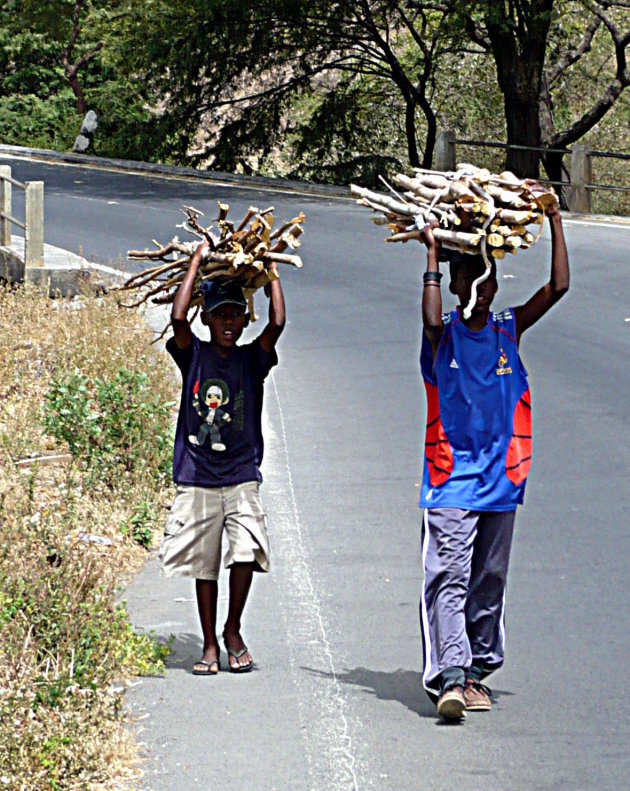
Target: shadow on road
x,y
186,648
402,686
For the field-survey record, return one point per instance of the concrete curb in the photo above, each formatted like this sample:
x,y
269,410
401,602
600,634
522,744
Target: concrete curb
x,y
64,273
174,171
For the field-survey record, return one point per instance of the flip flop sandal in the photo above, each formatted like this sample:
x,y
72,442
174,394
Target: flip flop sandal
x,y
209,665
237,655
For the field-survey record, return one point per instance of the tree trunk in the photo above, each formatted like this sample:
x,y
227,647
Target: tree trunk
x,y
77,91
553,167
523,129
518,37
429,143
410,130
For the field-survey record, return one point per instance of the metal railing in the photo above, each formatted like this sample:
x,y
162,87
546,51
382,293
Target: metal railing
x,y
580,187
33,225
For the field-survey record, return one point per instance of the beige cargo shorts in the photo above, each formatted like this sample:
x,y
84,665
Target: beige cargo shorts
x,y
194,529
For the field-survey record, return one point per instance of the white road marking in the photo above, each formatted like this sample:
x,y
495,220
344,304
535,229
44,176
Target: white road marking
x,y
328,743
600,223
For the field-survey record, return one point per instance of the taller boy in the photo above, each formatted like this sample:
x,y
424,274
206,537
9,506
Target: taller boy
x,y
477,457
218,451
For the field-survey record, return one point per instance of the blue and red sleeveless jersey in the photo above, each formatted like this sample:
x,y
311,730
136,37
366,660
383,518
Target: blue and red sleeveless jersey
x,y
478,442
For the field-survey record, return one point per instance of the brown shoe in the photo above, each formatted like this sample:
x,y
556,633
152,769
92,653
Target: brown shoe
x,y
451,705
477,696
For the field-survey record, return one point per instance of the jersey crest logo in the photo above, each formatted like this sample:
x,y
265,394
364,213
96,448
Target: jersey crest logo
x,y
454,363
503,364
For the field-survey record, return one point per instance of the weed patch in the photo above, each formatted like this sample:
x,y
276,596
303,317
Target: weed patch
x,y
85,389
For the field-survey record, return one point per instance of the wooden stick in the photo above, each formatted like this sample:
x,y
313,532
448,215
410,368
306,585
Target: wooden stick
x,y
242,254
418,188
166,249
296,221
454,237
382,200
280,258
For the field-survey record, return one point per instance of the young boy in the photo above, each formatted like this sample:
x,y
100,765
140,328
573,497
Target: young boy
x,y
477,457
218,451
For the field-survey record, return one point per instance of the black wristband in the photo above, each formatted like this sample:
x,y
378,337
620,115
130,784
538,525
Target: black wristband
x,y
432,277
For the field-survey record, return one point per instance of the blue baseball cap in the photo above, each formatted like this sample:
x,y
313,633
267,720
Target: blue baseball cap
x,y
215,294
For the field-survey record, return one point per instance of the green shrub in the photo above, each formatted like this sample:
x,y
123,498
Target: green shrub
x,y
118,427
140,524
66,648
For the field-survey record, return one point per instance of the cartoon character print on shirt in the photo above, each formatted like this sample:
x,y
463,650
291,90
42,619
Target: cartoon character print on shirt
x,y
207,402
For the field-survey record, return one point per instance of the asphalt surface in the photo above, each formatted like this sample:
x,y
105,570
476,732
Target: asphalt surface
x,y
336,701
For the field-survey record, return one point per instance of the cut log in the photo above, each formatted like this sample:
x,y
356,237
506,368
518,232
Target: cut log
x,y
471,209
495,239
246,252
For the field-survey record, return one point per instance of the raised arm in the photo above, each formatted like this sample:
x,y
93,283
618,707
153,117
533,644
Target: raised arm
x,y
277,315
431,294
558,284
181,304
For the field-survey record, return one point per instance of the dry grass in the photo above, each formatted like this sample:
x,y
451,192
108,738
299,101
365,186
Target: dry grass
x,y
65,647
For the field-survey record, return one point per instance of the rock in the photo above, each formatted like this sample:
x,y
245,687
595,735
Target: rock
x,y
81,144
88,127
90,122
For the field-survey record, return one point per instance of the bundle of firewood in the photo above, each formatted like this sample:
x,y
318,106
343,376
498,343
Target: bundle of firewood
x,y
243,253
476,211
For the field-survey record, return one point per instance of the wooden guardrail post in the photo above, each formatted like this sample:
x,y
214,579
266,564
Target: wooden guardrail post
x,y
34,232
581,175
5,206
445,151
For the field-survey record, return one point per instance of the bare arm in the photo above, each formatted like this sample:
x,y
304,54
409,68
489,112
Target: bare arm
x,y
558,284
181,304
277,316
431,295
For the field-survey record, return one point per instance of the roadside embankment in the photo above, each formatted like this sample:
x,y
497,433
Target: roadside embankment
x,y
85,447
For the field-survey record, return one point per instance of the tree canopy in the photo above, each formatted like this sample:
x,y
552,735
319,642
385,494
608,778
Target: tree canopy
x,y
330,90
539,45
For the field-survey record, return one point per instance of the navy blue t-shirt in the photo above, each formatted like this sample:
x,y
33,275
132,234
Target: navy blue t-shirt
x,y
218,440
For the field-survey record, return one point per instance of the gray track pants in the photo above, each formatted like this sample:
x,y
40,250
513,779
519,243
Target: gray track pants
x,y
462,606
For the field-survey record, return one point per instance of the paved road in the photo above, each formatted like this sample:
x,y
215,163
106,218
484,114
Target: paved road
x,y
336,700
